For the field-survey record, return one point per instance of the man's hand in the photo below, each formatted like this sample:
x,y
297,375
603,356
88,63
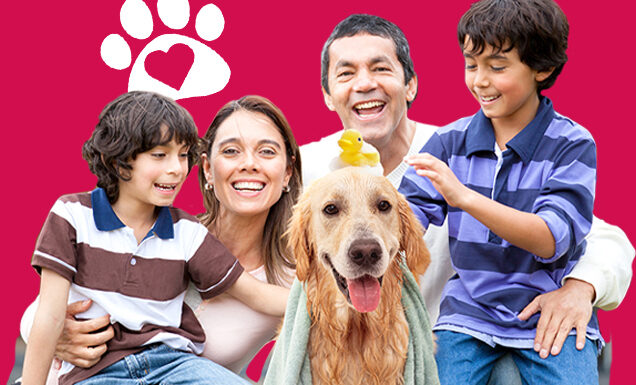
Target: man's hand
x,y
561,310
79,343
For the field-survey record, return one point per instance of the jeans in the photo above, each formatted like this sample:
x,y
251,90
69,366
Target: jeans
x,y
163,365
463,359
505,372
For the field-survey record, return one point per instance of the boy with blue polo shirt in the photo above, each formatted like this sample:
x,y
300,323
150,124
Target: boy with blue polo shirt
x,y
124,247
516,181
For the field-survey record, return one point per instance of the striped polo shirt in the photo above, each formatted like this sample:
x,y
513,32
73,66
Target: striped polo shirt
x,y
141,285
549,168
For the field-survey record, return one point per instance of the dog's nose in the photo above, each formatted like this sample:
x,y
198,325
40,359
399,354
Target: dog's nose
x,y
365,251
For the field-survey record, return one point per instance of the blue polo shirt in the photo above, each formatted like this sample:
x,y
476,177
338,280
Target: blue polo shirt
x,y
549,168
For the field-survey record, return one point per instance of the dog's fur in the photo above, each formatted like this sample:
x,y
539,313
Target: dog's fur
x,y
347,346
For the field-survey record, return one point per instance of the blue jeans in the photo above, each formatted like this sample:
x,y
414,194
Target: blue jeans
x,y
161,365
463,359
505,372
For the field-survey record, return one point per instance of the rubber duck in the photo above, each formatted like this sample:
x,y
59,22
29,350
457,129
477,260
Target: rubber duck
x,y
353,153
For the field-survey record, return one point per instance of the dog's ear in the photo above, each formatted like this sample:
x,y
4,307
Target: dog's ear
x,y
300,237
411,239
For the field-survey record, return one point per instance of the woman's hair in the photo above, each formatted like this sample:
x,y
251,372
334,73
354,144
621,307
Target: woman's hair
x,y
133,123
276,253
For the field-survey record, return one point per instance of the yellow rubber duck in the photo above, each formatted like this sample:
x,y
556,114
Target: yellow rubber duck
x,y
352,152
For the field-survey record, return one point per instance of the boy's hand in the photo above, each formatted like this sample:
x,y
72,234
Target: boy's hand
x,y
441,176
80,343
561,310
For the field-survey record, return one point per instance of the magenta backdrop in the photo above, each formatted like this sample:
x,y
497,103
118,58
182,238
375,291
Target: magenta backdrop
x,y
56,84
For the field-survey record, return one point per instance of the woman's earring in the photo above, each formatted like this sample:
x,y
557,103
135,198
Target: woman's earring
x,y
209,186
286,189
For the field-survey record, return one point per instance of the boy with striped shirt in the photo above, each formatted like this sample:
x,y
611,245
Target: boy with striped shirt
x,y
124,247
516,181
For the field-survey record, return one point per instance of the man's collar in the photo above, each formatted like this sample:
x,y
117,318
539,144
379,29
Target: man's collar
x,y
480,134
106,219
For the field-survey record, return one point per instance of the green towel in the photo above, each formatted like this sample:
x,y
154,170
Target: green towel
x,y
290,365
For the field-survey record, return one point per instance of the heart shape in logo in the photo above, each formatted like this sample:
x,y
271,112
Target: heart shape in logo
x,y
170,67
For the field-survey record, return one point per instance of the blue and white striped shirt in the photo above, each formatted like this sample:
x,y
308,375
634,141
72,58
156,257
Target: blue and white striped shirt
x,y
549,168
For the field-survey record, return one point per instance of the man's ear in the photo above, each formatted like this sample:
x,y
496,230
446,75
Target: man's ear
x,y
328,99
542,75
411,89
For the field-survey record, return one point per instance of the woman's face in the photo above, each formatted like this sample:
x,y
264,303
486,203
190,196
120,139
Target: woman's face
x,y
247,164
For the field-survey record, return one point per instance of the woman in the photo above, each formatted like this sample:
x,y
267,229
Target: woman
x,y
250,178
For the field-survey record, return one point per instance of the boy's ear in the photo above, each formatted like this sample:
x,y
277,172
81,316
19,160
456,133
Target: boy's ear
x,y
542,75
328,100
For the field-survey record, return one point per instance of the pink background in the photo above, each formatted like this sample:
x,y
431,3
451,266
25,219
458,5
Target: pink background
x,y
56,84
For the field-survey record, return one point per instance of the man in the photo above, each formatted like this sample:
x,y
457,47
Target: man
x,y
368,79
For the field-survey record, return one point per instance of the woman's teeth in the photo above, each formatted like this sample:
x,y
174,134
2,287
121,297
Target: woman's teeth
x,y
252,186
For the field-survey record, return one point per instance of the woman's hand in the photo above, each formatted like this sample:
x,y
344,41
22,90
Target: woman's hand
x,y
83,343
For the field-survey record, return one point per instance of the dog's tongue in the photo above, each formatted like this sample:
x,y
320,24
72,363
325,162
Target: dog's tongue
x,y
364,293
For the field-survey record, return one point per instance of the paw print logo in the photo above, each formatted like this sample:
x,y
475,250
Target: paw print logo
x,y
174,65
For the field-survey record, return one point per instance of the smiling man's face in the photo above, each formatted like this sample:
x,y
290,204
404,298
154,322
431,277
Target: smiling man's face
x,y
367,87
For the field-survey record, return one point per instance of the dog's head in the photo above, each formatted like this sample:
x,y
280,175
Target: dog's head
x,y
352,225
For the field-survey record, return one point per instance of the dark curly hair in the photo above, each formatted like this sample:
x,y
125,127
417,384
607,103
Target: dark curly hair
x,y
538,29
133,123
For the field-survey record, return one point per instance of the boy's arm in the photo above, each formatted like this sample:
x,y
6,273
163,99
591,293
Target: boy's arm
x,y
47,327
260,296
428,205
82,343
604,272
525,230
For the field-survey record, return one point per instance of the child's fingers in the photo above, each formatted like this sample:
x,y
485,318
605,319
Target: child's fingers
x,y
419,159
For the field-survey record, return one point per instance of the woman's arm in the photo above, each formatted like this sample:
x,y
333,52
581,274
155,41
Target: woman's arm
x,y
260,296
47,327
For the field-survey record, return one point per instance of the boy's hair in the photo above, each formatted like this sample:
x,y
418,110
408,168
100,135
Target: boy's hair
x,y
133,123
375,26
538,29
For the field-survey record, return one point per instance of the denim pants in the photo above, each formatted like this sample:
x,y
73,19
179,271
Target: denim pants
x,y
163,365
463,359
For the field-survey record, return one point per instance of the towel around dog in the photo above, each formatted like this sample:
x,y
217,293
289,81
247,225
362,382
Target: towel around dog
x,y
290,364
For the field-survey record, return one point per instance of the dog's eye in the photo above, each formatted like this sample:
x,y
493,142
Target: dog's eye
x,y
384,205
330,209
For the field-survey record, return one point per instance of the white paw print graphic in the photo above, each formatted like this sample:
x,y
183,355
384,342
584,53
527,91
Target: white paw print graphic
x,y
174,65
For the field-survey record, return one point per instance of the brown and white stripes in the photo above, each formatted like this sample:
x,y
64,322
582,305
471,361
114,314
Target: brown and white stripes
x,y
141,286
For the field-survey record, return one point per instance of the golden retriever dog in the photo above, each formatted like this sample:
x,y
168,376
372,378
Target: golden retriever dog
x,y
348,233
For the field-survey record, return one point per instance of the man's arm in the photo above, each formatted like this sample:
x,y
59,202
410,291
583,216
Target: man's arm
x,y
606,264
82,343
47,327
